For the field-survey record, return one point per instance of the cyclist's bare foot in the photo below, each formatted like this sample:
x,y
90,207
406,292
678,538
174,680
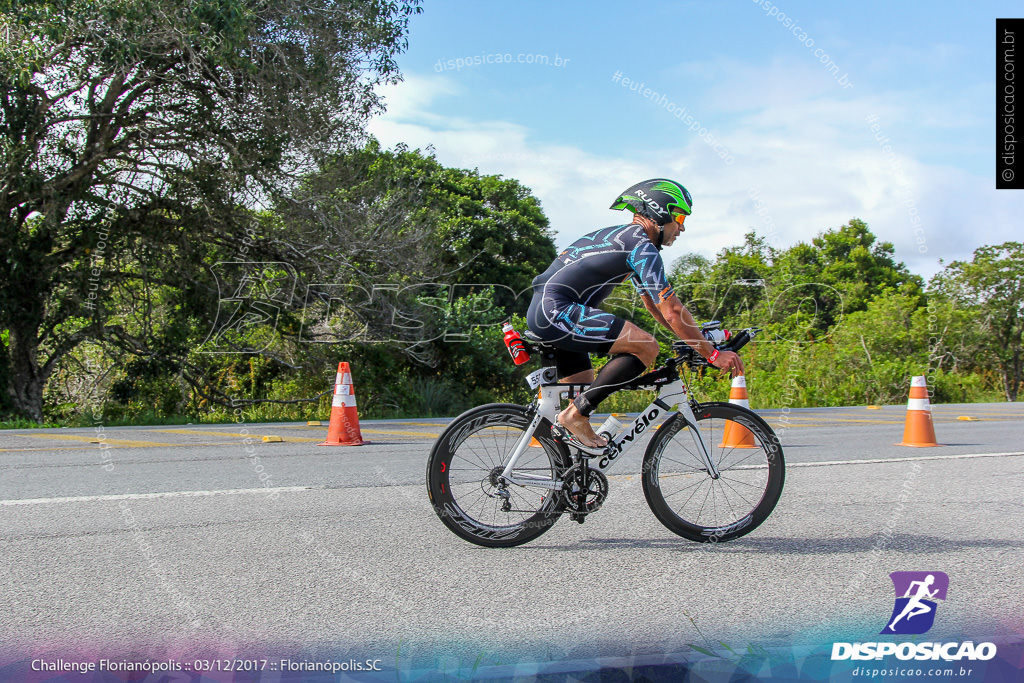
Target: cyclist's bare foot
x,y
580,427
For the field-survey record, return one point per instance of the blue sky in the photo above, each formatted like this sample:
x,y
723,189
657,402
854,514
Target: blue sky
x,y
788,118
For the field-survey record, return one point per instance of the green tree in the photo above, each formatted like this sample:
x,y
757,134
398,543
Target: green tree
x,y
991,285
845,322
393,258
492,233
842,269
395,230
149,122
731,286
806,289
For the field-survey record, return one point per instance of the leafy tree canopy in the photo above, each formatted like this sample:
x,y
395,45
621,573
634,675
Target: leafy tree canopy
x,y
810,285
992,286
400,217
142,126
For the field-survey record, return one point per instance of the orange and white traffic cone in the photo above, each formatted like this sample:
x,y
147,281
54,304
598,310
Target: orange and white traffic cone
x,y
736,435
918,430
344,427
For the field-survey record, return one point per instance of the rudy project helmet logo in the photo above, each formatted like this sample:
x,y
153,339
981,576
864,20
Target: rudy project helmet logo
x,y
655,207
916,593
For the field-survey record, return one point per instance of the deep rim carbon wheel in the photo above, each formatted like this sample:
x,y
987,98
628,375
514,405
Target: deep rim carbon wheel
x,y
685,498
463,477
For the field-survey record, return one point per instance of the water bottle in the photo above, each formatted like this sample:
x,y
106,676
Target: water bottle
x,y
609,428
717,336
515,344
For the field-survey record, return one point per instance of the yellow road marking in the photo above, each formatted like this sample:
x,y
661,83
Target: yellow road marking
x,y
41,448
981,412
290,438
237,435
119,443
415,424
94,439
397,433
421,424
203,432
773,411
300,439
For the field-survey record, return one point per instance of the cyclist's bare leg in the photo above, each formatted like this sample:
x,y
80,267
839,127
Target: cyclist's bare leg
x,y
632,340
638,342
581,377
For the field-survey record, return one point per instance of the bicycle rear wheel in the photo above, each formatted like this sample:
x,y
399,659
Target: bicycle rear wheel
x,y
462,477
682,494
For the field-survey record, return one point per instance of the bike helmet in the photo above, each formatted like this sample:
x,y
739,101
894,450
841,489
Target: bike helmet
x,y
658,199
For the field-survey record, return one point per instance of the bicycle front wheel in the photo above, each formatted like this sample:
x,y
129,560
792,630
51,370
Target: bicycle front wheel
x,y
463,477
681,492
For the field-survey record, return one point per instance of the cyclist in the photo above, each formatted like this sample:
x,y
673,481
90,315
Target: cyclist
x,y
564,310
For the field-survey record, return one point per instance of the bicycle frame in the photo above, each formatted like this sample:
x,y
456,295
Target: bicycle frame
x,y
671,396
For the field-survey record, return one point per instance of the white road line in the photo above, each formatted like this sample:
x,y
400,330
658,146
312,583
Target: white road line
x,y
145,496
289,489
884,460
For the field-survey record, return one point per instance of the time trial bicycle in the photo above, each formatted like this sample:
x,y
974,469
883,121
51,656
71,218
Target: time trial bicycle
x,y
712,472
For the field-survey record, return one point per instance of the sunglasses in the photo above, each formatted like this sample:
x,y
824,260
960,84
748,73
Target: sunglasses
x,y
679,217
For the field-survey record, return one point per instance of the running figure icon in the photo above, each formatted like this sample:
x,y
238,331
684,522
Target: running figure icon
x,y
916,593
915,607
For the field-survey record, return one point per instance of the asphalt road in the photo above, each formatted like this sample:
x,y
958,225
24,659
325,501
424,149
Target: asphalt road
x,y
179,541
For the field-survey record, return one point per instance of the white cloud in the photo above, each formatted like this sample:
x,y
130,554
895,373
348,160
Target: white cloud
x,y
815,164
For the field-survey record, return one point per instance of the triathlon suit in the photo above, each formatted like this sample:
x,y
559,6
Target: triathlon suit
x,y
565,309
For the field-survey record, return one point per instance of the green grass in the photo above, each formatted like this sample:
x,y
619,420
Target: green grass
x,y
24,423
251,415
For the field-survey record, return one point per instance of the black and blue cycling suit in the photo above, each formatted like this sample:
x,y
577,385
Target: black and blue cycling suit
x,y
566,297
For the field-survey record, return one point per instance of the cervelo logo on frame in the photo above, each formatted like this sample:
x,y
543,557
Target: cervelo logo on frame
x,y
916,592
913,614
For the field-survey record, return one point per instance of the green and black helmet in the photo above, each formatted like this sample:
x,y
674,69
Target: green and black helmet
x,y
659,199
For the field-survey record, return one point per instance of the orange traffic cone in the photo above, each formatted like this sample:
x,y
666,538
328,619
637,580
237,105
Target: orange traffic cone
x,y
344,427
918,431
736,435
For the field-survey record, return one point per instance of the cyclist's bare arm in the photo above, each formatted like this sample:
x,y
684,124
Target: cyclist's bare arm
x,y
653,310
672,314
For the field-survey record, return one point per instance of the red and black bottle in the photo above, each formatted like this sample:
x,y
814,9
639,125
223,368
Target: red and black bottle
x,y
515,344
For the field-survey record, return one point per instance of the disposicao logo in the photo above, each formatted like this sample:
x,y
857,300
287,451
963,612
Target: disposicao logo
x,y
916,593
914,614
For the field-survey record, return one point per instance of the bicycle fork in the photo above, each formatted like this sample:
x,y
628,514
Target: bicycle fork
x,y
698,440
